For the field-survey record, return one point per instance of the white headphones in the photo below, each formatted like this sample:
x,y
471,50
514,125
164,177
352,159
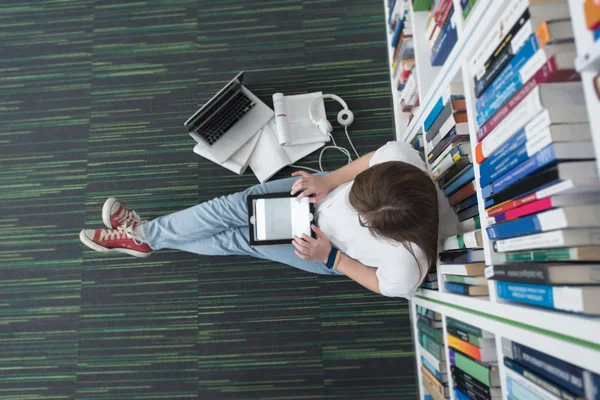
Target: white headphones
x,y
344,117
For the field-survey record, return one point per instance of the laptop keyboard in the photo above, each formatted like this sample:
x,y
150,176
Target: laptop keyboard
x,y
225,118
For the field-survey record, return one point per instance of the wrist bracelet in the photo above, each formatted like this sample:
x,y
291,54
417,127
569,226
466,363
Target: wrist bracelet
x,y
334,258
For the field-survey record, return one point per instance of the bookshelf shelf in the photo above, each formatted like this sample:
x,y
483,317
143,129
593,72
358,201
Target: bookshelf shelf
x,y
572,337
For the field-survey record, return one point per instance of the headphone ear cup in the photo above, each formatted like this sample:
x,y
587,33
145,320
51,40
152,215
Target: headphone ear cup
x,y
324,126
345,117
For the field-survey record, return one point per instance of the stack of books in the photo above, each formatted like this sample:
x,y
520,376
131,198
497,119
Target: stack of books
x,y
433,355
441,31
430,281
467,7
464,278
403,61
473,362
531,374
591,11
538,176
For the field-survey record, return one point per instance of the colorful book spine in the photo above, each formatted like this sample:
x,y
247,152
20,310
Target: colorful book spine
x,y
538,380
445,44
470,385
431,331
473,330
478,371
469,202
458,288
397,32
462,194
453,157
466,177
459,333
517,390
437,374
561,254
556,297
464,347
432,346
530,166
526,209
459,395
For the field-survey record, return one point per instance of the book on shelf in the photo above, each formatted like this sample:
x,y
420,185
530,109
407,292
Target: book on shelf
x,y
474,269
469,240
469,337
454,92
453,112
591,11
462,146
463,178
470,329
480,353
462,194
468,290
435,333
468,213
456,132
454,173
440,376
523,66
549,155
552,239
430,285
472,387
430,322
445,42
440,388
435,316
528,142
439,365
467,6
538,10
571,377
545,274
544,204
466,280
531,99
539,381
450,141
577,299
435,347
591,253
468,202
468,225
462,256
558,218
559,178
486,374
421,5
454,156
520,388
431,387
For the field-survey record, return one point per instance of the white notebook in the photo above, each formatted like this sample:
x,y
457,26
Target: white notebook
x,y
238,162
293,125
269,157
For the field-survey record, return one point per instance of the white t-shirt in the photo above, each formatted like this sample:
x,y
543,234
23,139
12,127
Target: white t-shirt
x,y
397,270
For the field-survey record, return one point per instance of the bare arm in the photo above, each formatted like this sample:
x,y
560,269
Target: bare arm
x,y
359,273
348,172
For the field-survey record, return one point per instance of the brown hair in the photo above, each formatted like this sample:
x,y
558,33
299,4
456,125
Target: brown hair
x,y
398,202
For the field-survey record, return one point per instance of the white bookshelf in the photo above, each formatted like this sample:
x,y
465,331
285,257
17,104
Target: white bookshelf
x,y
571,337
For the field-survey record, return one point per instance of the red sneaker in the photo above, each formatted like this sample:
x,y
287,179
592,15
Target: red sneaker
x,y
114,214
121,240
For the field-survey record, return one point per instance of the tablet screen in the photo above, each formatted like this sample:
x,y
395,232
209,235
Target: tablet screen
x,y
281,218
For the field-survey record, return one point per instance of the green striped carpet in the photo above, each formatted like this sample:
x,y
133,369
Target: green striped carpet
x,y
93,95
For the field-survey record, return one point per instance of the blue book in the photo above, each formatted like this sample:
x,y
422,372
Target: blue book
x,y
435,111
463,205
389,21
465,177
428,397
531,165
517,227
558,371
597,34
444,45
506,84
397,32
438,375
519,391
459,395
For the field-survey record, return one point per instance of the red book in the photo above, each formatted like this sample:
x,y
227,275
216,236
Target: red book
x,y
526,209
462,194
547,73
440,15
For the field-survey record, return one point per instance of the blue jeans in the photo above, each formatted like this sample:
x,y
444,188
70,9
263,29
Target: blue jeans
x,y
219,227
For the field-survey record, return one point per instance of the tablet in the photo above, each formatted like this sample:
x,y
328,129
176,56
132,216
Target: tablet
x,y
276,217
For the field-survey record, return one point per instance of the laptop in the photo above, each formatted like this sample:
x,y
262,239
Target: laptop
x,y
228,120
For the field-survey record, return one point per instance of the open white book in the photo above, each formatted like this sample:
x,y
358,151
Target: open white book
x,y
269,157
293,125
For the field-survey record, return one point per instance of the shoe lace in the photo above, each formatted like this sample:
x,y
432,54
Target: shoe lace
x,y
126,217
122,232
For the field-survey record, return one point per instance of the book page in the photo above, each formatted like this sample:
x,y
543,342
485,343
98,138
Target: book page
x,y
268,156
300,129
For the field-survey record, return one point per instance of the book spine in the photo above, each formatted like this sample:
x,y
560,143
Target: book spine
x,y
439,387
454,156
509,84
470,367
521,273
517,390
468,213
526,209
437,374
469,202
445,44
456,288
530,387
397,32
538,295
465,178
462,194
543,255
541,382
470,392
546,73
466,382
473,330
431,346
549,220
453,330
464,347
439,121
538,161
435,112
431,331
459,395
440,147
454,172
504,53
